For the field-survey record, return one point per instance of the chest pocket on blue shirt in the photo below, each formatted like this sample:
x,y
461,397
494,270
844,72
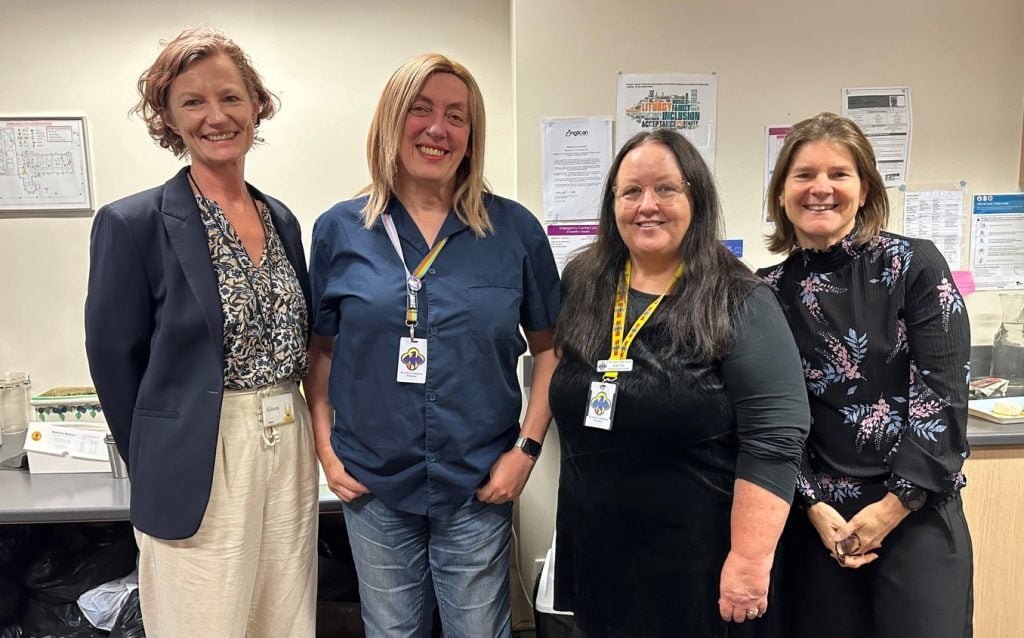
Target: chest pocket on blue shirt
x,y
493,305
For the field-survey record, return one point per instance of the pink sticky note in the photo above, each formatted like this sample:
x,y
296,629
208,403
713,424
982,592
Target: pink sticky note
x,y
964,280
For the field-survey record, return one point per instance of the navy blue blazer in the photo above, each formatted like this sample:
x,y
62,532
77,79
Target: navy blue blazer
x,y
154,340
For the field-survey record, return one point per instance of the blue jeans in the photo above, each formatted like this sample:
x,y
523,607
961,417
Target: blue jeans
x,y
465,554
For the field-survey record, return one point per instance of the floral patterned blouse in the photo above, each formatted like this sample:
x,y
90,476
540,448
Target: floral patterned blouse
x,y
884,340
265,314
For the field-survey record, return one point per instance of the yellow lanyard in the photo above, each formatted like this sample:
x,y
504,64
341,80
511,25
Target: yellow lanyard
x,y
620,345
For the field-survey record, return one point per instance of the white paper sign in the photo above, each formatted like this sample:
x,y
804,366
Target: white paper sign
x,y
567,240
576,154
936,215
58,440
884,115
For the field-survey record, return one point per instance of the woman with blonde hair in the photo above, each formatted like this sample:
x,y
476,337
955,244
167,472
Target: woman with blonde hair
x,y
420,288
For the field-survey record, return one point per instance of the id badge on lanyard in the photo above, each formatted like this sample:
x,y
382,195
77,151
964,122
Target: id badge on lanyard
x,y
412,352
412,360
601,405
601,399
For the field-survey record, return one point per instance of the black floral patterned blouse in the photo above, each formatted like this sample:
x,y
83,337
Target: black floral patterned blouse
x,y
264,311
884,340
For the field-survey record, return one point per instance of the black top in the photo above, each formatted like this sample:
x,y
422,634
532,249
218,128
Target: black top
x,y
644,509
885,342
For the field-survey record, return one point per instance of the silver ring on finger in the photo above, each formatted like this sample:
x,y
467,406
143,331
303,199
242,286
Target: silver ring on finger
x,y
752,614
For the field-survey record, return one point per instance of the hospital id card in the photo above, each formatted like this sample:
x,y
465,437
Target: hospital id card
x,y
601,405
412,360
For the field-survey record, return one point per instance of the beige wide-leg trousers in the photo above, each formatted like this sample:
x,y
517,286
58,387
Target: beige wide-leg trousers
x,y
251,569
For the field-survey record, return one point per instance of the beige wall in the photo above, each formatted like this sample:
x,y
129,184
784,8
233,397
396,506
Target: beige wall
x,y
327,61
779,62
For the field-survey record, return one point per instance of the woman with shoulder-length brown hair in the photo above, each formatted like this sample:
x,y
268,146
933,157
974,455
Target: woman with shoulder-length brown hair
x,y
680,410
420,289
196,327
883,549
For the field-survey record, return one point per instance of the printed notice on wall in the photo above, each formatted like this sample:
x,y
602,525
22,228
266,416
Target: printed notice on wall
x,y
43,165
997,241
936,215
774,138
576,154
885,117
685,102
567,240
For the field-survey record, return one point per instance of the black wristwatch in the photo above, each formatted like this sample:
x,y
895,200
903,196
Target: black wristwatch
x,y
912,496
529,446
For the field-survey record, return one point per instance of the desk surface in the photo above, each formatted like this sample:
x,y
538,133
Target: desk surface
x,y
64,498
56,498
982,433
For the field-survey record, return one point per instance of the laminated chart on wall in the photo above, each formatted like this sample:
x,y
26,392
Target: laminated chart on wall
x,y
997,241
685,102
43,164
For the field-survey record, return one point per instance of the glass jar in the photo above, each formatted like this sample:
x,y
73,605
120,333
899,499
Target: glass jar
x,y
1008,346
15,389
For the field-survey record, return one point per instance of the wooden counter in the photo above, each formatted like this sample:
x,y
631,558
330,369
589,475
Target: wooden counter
x,y
994,504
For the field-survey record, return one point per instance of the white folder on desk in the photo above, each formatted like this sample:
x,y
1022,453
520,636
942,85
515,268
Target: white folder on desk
x,y
59,449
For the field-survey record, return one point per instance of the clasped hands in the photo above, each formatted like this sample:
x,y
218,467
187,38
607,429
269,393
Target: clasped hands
x,y
854,543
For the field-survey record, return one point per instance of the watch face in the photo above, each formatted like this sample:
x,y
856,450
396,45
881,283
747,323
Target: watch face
x,y
913,498
531,447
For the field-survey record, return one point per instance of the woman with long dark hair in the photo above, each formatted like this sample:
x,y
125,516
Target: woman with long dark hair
x,y
678,402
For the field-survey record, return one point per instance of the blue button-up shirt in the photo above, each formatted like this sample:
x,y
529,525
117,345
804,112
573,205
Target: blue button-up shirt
x,y
427,447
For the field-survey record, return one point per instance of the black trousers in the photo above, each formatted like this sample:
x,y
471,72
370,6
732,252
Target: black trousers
x,y
919,587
